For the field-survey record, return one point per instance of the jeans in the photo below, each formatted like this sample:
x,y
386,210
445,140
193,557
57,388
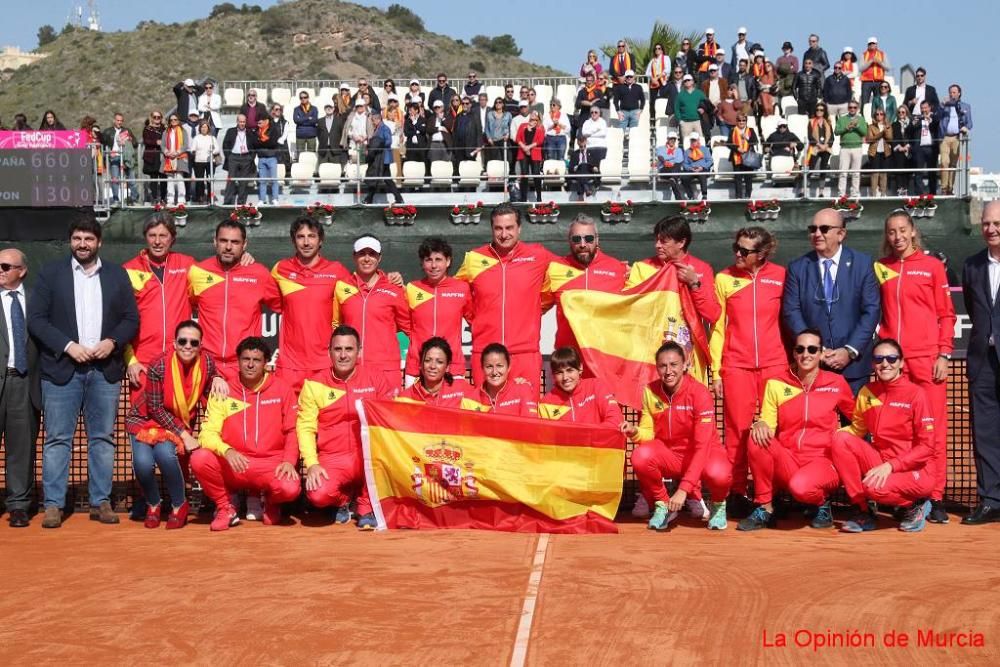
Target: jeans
x,y
554,147
629,119
145,458
121,177
98,399
267,170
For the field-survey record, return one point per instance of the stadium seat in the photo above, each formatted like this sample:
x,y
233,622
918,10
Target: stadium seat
x,y
353,172
611,170
493,92
615,139
301,176
768,124
661,107
281,96
782,166
413,174
567,95
798,124
308,158
325,96
553,170
543,94
495,171
468,173
441,173
866,111
329,176
281,173
393,172
232,98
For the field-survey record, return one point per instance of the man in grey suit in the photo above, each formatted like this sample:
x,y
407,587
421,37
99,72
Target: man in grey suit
x,y
20,397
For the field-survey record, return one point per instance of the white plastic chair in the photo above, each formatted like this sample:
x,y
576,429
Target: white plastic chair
x,y
413,174
233,98
468,173
329,176
441,173
281,96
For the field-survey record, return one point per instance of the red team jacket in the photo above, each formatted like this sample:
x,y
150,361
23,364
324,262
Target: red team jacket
x,y
515,398
437,310
306,311
162,304
805,419
229,303
916,304
748,331
899,420
704,298
592,403
259,423
377,312
459,394
603,274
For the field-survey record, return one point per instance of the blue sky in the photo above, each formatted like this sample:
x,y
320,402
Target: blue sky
x,y
560,33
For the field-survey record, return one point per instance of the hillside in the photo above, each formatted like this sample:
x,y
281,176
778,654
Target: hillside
x,y
98,73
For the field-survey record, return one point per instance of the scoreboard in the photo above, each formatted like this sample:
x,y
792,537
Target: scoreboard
x,y
46,177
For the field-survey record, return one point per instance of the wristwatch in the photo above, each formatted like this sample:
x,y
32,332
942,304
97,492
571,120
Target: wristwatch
x,y
851,353
696,284
945,355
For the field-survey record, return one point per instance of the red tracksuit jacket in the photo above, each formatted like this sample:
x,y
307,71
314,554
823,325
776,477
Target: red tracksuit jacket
x,y
162,304
328,421
306,311
515,398
592,403
901,424
805,418
377,312
506,295
437,310
259,423
916,304
459,394
603,274
748,332
229,304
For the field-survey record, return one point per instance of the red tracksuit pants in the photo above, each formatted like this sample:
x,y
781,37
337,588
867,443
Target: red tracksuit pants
x,y
920,371
854,457
653,461
743,392
219,480
346,481
808,480
527,365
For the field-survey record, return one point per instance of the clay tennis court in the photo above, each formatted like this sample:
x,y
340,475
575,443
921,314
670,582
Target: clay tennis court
x,y
319,594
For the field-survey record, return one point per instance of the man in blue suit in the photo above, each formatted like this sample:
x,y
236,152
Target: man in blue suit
x,y
833,289
82,313
980,287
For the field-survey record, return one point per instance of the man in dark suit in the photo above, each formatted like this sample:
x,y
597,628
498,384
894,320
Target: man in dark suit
x,y
833,289
583,166
328,132
82,313
980,284
239,161
928,92
20,397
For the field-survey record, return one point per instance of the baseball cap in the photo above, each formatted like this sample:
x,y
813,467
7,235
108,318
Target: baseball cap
x,y
742,30
873,40
188,82
709,31
693,136
629,72
437,103
368,242
720,51
414,81
345,86
713,66
392,96
687,77
671,134
522,103
847,49
360,102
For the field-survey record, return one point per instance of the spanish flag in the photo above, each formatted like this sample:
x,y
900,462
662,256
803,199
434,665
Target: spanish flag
x,y
430,467
619,334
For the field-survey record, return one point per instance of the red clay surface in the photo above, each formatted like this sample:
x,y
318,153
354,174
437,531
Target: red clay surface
x,y
297,594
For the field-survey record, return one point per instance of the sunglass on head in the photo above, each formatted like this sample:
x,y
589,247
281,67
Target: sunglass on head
x,y
879,358
8,267
811,349
188,342
586,238
822,229
743,252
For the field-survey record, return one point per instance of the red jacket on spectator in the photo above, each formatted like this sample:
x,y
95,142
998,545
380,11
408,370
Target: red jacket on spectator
x,y
536,152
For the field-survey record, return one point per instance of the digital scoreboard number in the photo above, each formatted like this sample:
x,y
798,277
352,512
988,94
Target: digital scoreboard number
x,y
46,177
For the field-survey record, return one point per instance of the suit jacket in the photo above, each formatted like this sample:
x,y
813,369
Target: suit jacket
x,y
855,310
329,140
52,319
229,141
33,378
984,314
930,94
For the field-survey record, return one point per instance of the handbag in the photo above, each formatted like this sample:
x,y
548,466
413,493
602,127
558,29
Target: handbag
x,y
752,160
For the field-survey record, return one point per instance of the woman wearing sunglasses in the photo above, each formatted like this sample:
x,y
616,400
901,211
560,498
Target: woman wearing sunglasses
x,y
790,443
894,468
576,399
162,419
744,345
917,311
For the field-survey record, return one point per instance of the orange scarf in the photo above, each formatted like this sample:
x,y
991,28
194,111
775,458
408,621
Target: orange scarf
x,y
173,140
708,50
624,63
742,143
847,65
591,91
656,67
696,153
758,70
262,134
555,121
307,107
181,394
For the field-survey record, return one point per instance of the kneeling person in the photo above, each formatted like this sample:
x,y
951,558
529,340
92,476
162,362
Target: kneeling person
x,y
435,385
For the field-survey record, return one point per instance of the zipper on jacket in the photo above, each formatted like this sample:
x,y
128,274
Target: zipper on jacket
x,y
225,315
756,345
899,301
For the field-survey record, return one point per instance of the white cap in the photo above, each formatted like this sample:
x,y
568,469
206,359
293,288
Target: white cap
x,y
709,31
713,66
437,103
392,96
720,51
671,134
360,102
189,82
687,77
414,81
629,72
344,85
742,30
693,136
522,103
369,242
872,40
847,49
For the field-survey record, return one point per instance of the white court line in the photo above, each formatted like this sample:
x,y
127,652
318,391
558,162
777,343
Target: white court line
x,y
530,597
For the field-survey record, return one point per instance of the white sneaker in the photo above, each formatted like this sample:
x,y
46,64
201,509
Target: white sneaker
x,y
696,508
641,508
255,508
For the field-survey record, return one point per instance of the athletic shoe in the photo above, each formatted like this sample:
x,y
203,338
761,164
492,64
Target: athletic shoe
x,y
367,522
938,514
759,518
179,516
641,508
696,508
272,514
343,514
915,517
860,522
739,505
718,518
255,507
661,517
225,518
152,517
824,516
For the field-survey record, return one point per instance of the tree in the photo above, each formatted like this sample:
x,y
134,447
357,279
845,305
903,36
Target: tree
x,y
46,35
404,19
504,45
67,29
642,50
222,9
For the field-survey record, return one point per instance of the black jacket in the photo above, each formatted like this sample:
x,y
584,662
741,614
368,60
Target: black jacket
x,y
329,140
629,98
444,94
930,94
415,132
108,137
229,141
807,85
819,58
783,143
183,100
268,148
837,89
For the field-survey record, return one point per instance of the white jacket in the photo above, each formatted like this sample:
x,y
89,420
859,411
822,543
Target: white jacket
x,y
596,132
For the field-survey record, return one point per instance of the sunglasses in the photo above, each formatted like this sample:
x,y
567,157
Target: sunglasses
x,y
8,267
822,229
303,97
743,252
811,349
853,107
879,358
157,117
586,238
188,342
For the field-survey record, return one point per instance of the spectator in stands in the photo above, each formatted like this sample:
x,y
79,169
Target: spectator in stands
x,y
817,55
658,74
670,164
587,97
874,65
473,86
440,137
849,63
118,139
467,134
746,87
264,143
920,91
604,101
901,182
740,49
595,129
328,132
20,123
686,57
389,88
556,125
190,125
620,63
706,54
497,132
674,86
688,109
393,118
742,140
879,140
210,106
582,167
807,87
924,132
530,136
524,111
82,314
533,104
510,103
92,132
481,111
50,122
820,145
205,150
152,136
697,165
630,100
715,88
372,101
787,65
837,91
783,142
415,133
523,94
357,129
187,93
885,101
306,118
238,162
283,130
442,92
253,108
592,64
767,85
852,130
728,109
414,93
379,158
955,120
451,114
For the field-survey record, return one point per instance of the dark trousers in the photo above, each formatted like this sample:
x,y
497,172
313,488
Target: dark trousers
x,y
688,182
900,180
156,190
819,161
869,88
532,168
984,395
202,188
808,106
19,428
744,181
240,166
925,157
671,177
377,177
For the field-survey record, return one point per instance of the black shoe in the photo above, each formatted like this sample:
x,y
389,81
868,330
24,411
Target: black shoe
x,y
984,513
738,506
938,514
368,201
18,519
398,200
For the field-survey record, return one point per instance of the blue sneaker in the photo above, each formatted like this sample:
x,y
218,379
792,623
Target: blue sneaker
x,y
661,517
367,522
759,518
915,517
824,516
343,514
860,522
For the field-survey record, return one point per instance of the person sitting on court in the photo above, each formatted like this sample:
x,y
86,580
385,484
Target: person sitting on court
x,y
576,399
435,385
895,467
790,442
329,430
248,440
677,439
161,421
500,393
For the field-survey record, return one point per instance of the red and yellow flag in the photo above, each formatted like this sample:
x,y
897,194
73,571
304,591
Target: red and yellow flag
x,y
429,467
619,334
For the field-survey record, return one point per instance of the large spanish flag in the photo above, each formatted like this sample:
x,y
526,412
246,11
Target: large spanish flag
x,y
619,334
430,467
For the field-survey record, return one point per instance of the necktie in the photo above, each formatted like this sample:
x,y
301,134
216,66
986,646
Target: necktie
x,y
20,332
827,284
